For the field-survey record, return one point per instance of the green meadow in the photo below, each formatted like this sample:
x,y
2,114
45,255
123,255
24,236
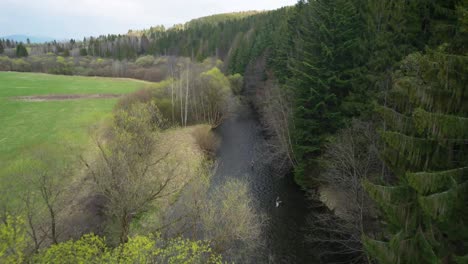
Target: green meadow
x,y
26,125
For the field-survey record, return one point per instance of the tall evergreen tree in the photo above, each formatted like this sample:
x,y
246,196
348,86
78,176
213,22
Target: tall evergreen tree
x,y
324,72
427,147
21,50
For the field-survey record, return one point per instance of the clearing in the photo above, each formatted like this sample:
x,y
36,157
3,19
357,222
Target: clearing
x,y
41,109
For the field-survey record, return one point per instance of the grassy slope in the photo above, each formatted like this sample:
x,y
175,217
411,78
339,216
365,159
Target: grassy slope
x,y
25,125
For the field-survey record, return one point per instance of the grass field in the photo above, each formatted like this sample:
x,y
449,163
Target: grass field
x,y
25,125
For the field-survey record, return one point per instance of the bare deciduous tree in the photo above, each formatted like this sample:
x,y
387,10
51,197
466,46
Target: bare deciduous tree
x,y
230,221
276,110
45,197
125,171
51,190
350,158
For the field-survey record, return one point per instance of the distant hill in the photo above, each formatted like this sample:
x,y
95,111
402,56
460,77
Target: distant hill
x,y
207,20
23,38
218,18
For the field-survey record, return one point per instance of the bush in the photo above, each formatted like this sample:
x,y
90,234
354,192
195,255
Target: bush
x,y
140,96
230,221
206,139
12,240
21,65
145,61
236,82
141,249
5,63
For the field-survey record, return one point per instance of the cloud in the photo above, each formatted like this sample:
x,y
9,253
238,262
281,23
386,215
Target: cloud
x,y
71,18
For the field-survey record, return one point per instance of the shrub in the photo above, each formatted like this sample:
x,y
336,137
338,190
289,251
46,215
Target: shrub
x,y
230,221
21,65
140,249
141,96
5,63
12,240
236,82
206,139
145,61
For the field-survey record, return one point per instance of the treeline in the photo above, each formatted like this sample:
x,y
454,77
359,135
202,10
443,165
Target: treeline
x,y
199,38
214,36
6,44
146,68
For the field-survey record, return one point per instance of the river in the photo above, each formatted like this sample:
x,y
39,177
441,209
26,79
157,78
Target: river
x,y
283,234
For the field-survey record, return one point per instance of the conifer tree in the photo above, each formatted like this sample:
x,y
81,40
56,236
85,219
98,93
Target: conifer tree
x,y
427,148
21,51
324,72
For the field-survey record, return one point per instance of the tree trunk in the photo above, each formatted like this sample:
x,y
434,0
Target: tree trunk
x,y
53,224
172,93
181,99
186,95
125,228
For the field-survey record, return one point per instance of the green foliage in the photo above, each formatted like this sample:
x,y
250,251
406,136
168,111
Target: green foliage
x,y
396,204
434,82
426,142
326,73
145,61
236,81
416,153
21,51
426,222
219,18
441,206
13,240
412,249
63,66
461,260
394,120
218,88
217,79
378,249
440,126
83,52
140,249
433,182
88,249
20,65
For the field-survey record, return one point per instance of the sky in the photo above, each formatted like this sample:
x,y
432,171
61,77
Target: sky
x,y
65,19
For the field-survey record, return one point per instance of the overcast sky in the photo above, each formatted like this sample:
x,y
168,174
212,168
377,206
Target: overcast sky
x,y
78,18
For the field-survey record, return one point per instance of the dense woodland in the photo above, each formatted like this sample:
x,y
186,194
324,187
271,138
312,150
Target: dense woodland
x,y
366,98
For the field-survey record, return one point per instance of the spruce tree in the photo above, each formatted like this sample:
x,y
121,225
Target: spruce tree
x,y
426,146
325,71
21,50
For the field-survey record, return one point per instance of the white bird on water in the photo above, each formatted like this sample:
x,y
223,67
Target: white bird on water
x,y
278,202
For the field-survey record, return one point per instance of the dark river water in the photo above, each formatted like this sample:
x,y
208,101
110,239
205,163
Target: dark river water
x,y
283,235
